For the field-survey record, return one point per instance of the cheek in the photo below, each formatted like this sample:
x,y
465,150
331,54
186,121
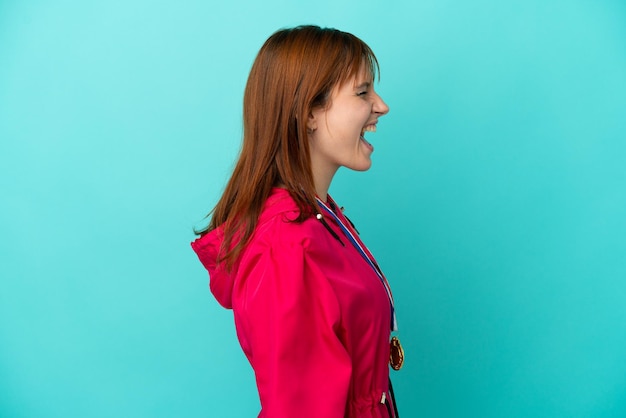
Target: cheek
x,y
354,120
349,120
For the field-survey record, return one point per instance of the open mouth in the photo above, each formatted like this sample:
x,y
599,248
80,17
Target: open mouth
x,y
368,128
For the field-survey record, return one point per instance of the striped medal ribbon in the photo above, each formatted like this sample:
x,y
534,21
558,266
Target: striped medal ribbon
x,y
365,253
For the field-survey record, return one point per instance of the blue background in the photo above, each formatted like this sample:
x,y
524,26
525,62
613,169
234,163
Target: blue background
x,y
496,202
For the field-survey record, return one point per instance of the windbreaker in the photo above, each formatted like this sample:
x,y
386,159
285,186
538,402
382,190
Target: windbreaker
x,y
312,316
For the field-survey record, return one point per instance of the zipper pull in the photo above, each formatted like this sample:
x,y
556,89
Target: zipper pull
x,y
384,398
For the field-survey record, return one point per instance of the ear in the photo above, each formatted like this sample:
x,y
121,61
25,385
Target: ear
x,y
311,123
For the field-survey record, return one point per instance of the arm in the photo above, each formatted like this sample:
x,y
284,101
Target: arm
x,y
289,317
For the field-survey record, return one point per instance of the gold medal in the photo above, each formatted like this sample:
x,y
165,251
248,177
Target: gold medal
x,y
396,354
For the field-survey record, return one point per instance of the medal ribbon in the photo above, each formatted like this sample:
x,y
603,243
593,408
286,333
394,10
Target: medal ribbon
x,y
365,253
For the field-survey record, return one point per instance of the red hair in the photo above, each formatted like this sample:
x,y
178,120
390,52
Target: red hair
x,y
293,73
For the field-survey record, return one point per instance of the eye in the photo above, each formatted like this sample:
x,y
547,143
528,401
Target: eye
x,y
362,93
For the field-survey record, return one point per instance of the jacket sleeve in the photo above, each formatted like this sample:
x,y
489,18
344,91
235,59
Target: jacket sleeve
x,y
288,319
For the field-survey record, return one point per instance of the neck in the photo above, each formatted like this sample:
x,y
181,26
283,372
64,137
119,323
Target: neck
x,y
322,180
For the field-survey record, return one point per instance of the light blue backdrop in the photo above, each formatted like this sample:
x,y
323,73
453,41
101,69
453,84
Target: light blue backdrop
x,y
496,203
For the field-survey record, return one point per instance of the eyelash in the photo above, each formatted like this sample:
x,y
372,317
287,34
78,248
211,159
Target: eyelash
x,y
361,93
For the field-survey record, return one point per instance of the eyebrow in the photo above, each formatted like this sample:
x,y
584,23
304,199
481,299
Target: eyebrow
x,y
363,85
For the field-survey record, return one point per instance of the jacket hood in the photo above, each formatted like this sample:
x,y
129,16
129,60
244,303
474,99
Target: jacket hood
x,y
207,248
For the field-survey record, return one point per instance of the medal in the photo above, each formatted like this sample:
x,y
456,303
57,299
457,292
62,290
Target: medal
x,y
396,354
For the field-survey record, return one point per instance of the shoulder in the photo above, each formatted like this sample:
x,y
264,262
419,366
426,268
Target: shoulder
x,y
280,230
277,226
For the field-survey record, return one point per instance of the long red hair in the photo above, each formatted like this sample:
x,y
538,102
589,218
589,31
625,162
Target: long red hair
x,y
293,73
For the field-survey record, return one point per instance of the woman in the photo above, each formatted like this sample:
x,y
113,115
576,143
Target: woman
x,y
312,310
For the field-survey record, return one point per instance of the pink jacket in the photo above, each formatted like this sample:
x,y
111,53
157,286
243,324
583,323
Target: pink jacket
x,y
311,315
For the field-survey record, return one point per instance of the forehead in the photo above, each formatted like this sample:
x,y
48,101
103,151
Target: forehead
x,y
362,77
364,74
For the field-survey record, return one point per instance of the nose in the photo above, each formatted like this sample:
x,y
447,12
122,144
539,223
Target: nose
x,y
380,107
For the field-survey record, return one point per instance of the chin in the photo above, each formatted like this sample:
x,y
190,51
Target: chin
x,y
364,166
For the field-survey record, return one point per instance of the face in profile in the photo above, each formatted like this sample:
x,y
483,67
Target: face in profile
x,y
337,131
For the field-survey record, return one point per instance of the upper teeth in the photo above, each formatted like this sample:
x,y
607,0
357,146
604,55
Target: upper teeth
x,y
370,128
